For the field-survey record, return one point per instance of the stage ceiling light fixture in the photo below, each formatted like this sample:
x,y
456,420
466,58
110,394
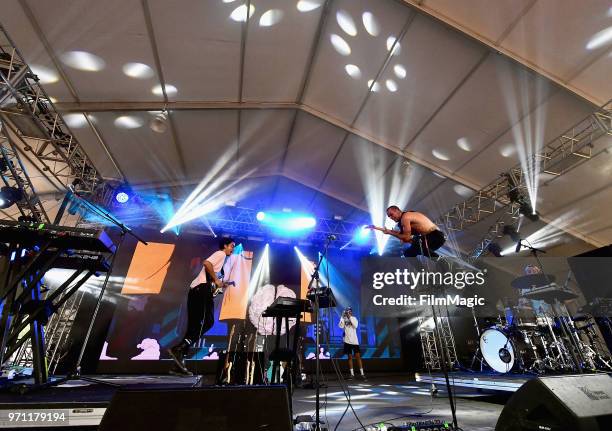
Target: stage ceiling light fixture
x,y
9,196
123,194
159,123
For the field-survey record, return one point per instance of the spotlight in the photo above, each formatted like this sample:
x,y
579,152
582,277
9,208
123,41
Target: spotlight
x,y
122,197
123,194
159,123
9,196
286,223
526,209
511,232
362,235
494,249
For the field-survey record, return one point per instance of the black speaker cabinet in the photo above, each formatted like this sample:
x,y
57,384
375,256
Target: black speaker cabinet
x,y
229,408
577,403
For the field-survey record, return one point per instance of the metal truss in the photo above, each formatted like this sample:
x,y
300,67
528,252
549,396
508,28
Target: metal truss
x,y
27,112
556,158
431,357
441,336
14,175
243,221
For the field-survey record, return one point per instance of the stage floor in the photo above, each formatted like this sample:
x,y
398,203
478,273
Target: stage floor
x,y
485,381
392,398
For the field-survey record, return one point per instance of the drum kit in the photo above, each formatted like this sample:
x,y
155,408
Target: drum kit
x,y
537,335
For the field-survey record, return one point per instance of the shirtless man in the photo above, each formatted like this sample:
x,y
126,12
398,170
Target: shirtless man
x,y
415,229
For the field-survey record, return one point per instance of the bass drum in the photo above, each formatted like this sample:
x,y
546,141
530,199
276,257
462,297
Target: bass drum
x,y
497,350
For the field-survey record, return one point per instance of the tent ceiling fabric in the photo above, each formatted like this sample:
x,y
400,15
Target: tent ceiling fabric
x,y
441,97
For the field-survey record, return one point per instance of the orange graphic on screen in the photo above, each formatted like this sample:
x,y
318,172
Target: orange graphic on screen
x,y
148,269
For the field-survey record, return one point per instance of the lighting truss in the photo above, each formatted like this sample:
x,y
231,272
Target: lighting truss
x,y
243,221
573,147
15,175
28,113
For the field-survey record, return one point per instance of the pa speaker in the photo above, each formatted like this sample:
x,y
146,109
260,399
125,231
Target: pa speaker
x,y
580,402
215,408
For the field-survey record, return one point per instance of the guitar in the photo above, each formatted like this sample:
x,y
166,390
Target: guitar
x,y
251,370
247,361
227,367
216,290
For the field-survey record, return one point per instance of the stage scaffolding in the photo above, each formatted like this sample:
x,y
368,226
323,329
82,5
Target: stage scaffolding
x,y
559,156
37,132
32,131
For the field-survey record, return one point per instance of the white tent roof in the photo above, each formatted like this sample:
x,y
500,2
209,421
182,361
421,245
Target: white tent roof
x,y
463,81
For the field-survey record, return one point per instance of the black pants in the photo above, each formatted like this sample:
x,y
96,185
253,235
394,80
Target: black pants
x,y
200,312
426,244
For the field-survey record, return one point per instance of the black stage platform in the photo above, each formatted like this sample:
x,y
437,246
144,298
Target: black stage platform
x,y
391,398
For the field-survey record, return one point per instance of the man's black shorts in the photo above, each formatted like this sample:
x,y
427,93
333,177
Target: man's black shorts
x,y
351,349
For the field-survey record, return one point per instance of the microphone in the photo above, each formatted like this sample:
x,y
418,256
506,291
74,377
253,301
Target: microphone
x,y
332,237
518,246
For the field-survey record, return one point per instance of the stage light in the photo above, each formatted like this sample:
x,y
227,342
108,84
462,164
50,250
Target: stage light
x,y
526,209
362,235
159,123
9,196
123,194
44,74
261,275
212,192
286,223
122,197
494,249
511,232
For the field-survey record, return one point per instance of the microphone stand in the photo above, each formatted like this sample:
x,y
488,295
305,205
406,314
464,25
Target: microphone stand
x,y
125,230
315,276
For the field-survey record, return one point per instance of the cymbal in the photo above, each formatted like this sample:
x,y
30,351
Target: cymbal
x,y
532,280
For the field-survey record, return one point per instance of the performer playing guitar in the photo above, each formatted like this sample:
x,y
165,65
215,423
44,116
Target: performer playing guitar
x,y
416,230
200,305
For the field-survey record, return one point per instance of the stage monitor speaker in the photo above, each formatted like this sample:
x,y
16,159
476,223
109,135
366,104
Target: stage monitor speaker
x,y
211,408
576,402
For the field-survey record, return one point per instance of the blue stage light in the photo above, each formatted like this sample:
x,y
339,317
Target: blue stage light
x,y
286,223
122,197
